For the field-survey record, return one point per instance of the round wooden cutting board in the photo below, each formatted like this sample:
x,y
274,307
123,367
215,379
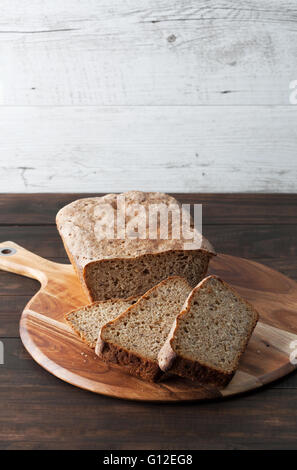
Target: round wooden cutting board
x,y
52,344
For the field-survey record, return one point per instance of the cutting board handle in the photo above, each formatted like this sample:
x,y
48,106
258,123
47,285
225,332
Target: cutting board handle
x,y
17,260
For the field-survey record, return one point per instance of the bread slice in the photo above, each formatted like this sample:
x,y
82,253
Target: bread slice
x,y
87,321
135,337
210,335
121,268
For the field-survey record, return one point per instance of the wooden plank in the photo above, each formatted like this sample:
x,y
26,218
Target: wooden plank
x,y
121,53
43,240
38,411
180,149
40,209
285,265
14,285
246,208
258,241
11,307
33,209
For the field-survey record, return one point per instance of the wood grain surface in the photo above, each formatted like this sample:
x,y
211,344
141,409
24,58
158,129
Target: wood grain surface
x,y
152,148
55,347
37,411
191,96
150,53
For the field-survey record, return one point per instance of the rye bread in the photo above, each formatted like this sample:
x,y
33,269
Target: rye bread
x,y
121,268
87,321
134,338
210,334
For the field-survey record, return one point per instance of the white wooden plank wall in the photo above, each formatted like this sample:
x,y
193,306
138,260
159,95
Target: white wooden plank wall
x,y
181,96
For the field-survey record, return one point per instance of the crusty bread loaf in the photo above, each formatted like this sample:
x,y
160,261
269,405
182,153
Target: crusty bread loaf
x,y
88,320
210,335
135,337
121,268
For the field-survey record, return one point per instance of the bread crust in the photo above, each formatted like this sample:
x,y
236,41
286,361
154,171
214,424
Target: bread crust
x,y
84,250
200,373
82,215
136,364
171,361
77,268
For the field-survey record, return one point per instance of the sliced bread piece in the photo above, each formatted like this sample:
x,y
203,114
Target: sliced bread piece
x,y
88,320
210,335
135,338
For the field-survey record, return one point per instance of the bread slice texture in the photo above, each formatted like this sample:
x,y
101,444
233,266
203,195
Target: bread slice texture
x,y
87,321
121,268
210,335
135,338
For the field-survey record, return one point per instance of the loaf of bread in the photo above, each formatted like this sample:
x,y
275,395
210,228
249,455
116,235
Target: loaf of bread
x,y
210,335
87,321
121,268
135,338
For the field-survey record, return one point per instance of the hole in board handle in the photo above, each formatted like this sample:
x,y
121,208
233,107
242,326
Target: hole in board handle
x,y
6,251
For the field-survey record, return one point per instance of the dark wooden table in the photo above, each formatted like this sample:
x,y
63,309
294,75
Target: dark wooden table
x,y
38,411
